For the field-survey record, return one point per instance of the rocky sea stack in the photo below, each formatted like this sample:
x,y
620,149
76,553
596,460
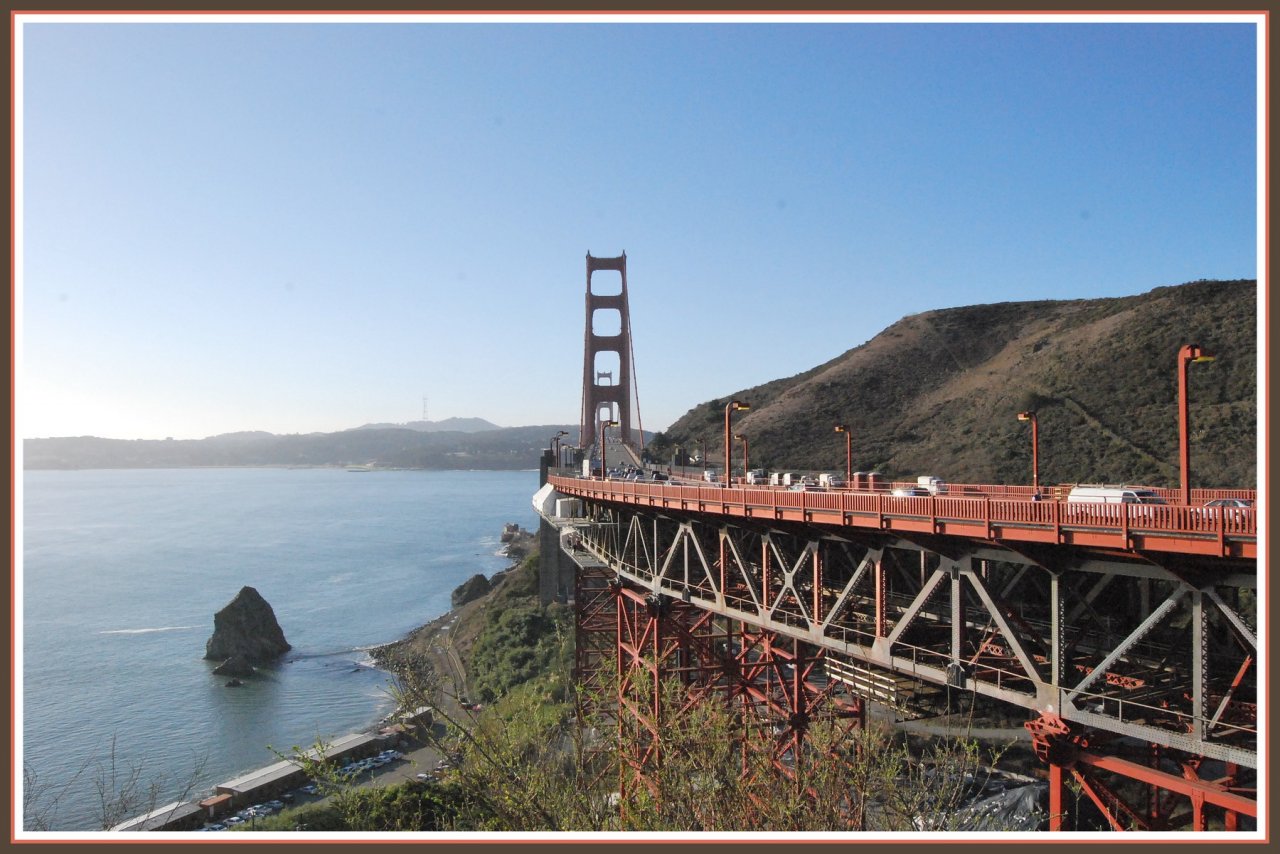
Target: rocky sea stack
x,y
246,629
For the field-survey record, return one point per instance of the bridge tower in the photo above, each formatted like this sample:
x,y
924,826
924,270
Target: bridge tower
x,y
608,384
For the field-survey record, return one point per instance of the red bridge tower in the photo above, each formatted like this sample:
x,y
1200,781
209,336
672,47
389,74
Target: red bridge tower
x,y
608,385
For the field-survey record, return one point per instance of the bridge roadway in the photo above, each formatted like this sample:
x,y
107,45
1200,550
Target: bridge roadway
x,y
1170,528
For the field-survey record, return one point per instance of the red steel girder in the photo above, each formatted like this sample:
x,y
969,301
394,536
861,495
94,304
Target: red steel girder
x,y
1065,749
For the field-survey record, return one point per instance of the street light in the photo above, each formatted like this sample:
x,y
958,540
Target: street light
x,y
555,443
1188,354
680,458
728,448
1035,447
745,458
604,440
848,454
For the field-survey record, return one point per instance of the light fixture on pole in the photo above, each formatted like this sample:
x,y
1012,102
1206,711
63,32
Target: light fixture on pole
x,y
1186,355
848,454
555,442
745,457
731,406
1035,446
604,440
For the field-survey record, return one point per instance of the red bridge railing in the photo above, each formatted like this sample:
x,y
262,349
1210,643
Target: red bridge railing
x,y
1223,531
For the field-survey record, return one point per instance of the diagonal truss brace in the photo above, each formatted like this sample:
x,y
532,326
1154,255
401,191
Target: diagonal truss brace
x,y
871,559
1014,641
1136,635
809,552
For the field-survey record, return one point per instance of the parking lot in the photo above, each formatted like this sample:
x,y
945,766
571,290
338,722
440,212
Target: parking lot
x,y
388,768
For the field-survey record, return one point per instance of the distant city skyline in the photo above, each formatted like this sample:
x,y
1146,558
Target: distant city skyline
x,y
302,224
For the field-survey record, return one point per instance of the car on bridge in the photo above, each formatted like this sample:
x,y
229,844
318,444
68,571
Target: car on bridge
x,y
1229,502
1230,508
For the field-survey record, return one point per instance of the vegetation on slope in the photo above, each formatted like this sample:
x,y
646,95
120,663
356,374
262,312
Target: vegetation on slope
x,y
938,393
532,760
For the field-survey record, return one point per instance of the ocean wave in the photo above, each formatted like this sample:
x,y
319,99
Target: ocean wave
x,y
146,631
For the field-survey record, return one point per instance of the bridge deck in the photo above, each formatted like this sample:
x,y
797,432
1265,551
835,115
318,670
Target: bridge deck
x,y
1171,528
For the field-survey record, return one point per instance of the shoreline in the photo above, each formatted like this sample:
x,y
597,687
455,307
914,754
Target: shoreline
x,y
419,754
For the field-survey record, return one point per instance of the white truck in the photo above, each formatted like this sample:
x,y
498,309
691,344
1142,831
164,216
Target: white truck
x,y
935,485
830,481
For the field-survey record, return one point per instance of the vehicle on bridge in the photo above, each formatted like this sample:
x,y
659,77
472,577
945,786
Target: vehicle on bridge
x,y
934,485
1113,495
1235,509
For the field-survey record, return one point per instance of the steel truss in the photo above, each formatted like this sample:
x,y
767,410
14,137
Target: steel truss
x,y
1118,648
776,683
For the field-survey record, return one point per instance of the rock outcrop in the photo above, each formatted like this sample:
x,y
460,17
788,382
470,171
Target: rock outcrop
x,y
246,627
473,588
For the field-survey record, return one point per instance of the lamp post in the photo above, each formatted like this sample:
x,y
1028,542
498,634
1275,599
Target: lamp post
x,y
1035,446
731,406
1188,354
604,425
848,454
555,442
702,452
745,457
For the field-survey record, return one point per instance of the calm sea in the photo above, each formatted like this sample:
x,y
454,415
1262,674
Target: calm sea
x,y
122,571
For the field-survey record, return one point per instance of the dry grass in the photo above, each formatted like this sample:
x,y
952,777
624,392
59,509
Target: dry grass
x,y
939,392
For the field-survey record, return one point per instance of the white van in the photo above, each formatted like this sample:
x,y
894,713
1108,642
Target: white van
x,y
1113,495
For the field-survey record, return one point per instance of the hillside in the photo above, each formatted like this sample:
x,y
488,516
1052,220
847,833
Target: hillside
x,y
460,425
939,393
498,448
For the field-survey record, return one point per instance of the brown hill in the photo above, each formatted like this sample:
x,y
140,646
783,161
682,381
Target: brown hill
x,y
939,392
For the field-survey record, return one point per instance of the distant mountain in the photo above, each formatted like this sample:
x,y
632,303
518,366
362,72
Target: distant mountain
x,y
461,425
939,392
496,448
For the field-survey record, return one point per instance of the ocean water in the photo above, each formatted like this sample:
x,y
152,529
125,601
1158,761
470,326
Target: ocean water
x,y
121,572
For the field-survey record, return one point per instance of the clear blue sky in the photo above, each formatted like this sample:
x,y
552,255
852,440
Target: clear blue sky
x,y
306,227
